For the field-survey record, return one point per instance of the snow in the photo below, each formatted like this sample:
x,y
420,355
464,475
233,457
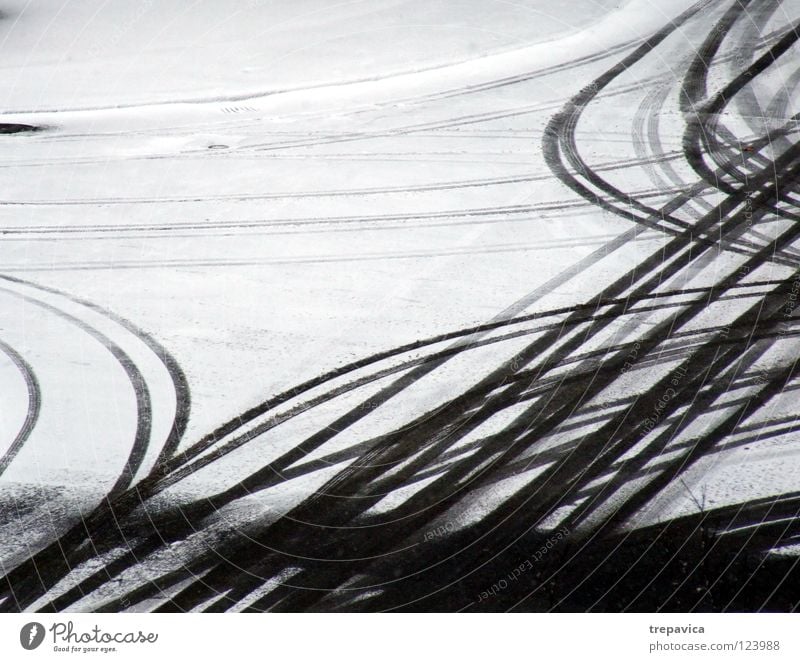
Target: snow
x,y
116,52
276,190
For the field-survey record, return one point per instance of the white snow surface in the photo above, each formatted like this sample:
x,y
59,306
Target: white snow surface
x,y
276,190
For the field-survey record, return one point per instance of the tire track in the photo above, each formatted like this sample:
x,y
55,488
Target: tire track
x,y
34,405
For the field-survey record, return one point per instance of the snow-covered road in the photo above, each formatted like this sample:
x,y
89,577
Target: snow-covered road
x,y
276,279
